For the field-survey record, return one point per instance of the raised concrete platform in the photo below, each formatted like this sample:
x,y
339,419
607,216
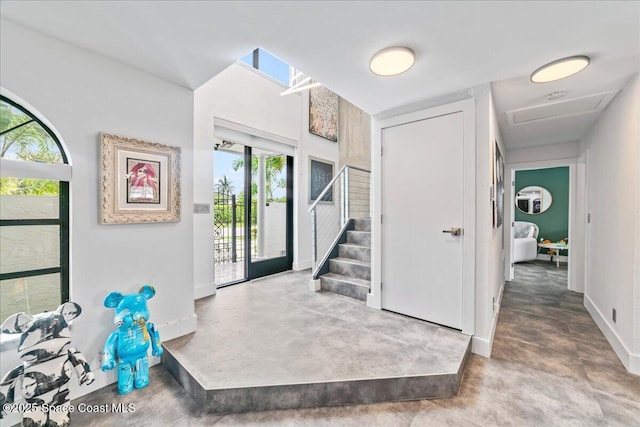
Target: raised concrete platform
x,y
273,344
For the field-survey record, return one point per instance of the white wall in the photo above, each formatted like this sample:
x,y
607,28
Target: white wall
x,y
538,153
489,240
245,97
310,146
613,170
83,94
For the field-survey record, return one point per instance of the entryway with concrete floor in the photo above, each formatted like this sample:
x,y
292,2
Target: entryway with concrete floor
x,y
550,366
273,344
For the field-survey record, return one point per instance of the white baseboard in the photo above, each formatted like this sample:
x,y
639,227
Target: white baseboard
x,y
178,328
374,302
481,346
302,265
204,291
629,360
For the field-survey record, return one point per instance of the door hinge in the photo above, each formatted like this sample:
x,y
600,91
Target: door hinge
x,y
380,218
511,265
513,183
381,151
589,218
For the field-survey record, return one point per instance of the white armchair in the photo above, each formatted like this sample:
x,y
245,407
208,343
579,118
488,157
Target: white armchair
x,y
525,241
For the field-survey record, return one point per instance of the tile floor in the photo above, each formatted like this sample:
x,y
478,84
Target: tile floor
x,y
550,366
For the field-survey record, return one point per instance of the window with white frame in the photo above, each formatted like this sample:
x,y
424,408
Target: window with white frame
x,y
34,213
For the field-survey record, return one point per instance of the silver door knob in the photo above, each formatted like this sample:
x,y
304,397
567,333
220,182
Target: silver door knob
x,y
455,231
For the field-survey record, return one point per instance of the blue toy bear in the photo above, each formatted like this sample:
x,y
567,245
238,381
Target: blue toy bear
x,y
48,363
129,343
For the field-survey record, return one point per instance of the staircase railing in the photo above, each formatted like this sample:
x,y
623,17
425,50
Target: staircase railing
x,y
346,197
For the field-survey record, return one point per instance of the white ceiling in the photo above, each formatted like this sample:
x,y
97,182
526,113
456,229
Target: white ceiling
x,y
458,45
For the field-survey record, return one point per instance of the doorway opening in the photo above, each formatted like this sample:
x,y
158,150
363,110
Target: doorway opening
x,y
253,213
540,233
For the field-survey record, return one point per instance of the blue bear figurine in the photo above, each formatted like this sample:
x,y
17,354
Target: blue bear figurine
x,y
129,343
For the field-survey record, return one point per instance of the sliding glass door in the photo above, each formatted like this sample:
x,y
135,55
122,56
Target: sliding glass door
x,y
270,232
253,213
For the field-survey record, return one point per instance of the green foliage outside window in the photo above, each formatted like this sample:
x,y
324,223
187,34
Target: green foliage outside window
x,y
23,138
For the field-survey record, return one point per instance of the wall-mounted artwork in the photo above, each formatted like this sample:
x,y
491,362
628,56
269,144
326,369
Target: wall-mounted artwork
x,y
498,180
320,175
323,113
140,181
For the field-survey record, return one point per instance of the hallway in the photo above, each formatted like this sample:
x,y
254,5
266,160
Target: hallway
x,y
550,366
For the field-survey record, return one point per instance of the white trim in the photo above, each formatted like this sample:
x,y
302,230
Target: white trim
x,y
574,255
177,328
204,291
25,169
481,346
302,265
31,109
604,101
629,360
248,135
314,285
467,107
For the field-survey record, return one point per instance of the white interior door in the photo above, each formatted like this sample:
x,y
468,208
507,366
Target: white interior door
x,y
422,196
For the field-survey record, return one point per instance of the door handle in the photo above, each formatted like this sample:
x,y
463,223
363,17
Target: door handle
x,y
455,231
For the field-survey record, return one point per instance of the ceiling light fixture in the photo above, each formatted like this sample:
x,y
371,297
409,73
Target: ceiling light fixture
x,y
392,61
560,69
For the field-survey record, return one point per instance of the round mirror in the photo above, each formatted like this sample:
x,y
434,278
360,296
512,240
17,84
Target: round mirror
x,y
533,200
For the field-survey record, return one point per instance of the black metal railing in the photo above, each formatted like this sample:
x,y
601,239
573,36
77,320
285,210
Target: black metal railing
x,y
228,225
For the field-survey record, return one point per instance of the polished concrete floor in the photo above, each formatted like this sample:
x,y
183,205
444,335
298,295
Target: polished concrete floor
x,y
275,331
550,366
273,344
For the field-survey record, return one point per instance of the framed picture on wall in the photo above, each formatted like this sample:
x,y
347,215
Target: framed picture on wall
x,y
140,181
323,113
498,179
320,175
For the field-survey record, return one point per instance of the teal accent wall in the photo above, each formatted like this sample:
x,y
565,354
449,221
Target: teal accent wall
x,y
554,222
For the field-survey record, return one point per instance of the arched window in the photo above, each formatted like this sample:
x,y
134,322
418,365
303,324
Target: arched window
x,y
34,213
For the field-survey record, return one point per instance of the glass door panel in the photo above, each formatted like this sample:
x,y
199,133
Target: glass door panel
x,y
269,233
271,212
229,215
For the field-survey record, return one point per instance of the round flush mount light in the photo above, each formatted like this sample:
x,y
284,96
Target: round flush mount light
x,y
560,69
392,61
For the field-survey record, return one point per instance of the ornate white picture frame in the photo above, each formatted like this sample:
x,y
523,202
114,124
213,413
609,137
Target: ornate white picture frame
x,y
140,181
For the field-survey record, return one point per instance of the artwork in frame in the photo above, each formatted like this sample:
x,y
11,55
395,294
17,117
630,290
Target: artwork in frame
x,y
140,181
498,179
323,113
320,175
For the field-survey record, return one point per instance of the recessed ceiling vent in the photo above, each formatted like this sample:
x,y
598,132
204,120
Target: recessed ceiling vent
x,y
570,107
